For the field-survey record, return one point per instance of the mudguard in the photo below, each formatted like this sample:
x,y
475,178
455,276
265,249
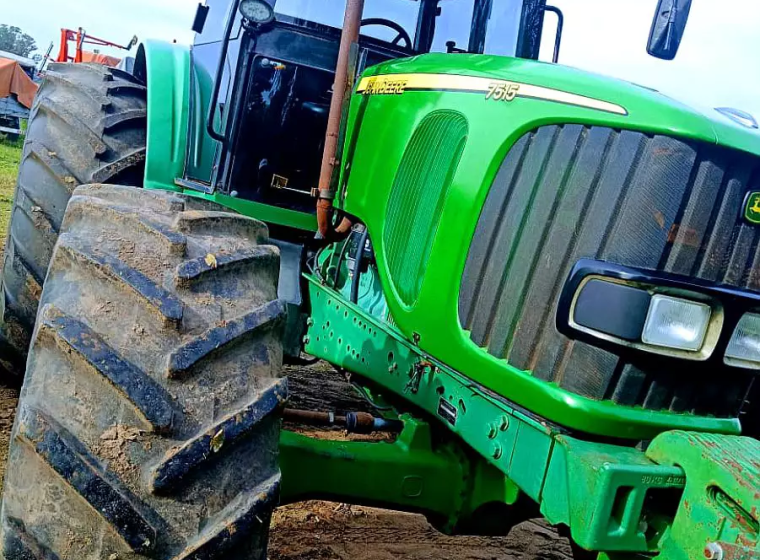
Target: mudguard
x,y
165,67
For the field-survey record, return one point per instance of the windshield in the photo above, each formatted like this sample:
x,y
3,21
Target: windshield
x,y
330,12
716,64
453,25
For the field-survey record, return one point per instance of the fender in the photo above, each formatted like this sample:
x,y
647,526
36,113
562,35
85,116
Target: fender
x,y
165,68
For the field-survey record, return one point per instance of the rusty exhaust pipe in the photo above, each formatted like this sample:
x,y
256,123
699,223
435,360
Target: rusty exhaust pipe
x,y
351,24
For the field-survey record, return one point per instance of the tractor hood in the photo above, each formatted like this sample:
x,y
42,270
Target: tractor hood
x,y
483,182
647,110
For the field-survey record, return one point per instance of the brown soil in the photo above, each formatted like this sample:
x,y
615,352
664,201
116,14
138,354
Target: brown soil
x,y
317,530
322,530
8,400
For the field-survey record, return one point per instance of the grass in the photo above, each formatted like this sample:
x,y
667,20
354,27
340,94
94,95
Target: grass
x,y
10,155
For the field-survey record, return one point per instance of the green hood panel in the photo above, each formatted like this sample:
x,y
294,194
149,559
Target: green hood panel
x,y
648,110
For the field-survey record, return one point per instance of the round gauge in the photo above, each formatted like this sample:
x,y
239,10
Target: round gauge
x,y
256,11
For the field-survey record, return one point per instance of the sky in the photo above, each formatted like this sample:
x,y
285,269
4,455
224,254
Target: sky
x,y
716,66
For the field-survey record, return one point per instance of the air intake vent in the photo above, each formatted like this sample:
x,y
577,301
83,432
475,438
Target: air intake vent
x,y
417,196
652,202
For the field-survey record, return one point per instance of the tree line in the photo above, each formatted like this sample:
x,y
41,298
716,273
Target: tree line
x,y
15,41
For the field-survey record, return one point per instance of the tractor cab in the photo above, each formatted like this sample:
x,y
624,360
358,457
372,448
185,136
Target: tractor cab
x,y
266,73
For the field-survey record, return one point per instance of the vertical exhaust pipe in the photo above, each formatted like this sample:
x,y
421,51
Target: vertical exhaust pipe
x,y
351,24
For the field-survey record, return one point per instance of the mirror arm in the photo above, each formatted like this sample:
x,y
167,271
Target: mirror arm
x,y
560,24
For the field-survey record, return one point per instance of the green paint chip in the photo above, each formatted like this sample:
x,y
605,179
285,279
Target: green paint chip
x,y
752,207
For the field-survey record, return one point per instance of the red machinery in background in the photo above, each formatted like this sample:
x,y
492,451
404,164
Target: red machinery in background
x,y
81,38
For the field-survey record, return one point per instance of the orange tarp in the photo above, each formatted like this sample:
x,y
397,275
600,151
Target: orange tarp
x,y
14,80
100,58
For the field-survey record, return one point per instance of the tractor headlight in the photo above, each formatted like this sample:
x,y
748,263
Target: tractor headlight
x,y
626,310
256,11
676,323
744,346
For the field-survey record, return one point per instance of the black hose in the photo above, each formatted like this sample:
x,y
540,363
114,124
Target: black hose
x,y
358,265
340,260
363,394
299,361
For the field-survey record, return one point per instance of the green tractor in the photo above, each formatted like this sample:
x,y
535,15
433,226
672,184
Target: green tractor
x,y
544,283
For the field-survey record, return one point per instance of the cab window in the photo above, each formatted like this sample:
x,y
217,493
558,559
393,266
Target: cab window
x,y
454,24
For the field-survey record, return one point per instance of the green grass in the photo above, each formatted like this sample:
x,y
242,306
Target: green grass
x,y
10,155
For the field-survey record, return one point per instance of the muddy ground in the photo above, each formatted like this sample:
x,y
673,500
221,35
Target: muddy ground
x,y
321,530
317,530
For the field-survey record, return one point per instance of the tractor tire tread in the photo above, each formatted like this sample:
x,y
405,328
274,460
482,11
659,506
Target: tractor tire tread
x,y
142,464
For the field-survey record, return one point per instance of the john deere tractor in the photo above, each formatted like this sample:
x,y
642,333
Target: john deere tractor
x,y
545,283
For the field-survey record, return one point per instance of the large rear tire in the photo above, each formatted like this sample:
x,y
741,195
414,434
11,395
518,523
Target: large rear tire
x,y
87,125
148,421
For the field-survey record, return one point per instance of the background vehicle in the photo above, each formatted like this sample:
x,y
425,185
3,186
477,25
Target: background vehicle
x,y
543,280
16,92
81,38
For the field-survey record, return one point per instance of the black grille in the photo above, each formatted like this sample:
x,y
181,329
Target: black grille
x,y
651,202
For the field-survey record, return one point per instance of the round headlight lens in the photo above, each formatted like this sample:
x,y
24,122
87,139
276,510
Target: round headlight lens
x,y
256,11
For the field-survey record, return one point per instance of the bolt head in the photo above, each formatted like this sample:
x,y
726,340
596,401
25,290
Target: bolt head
x,y
497,451
492,431
713,551
504,423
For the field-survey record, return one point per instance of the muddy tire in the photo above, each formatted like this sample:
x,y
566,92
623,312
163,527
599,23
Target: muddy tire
x,y
87,125
148,422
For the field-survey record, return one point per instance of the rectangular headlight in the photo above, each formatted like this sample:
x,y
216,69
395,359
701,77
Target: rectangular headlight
x,y
744,345
676,323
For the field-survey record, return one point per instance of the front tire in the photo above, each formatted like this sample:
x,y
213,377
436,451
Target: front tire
x,y
148,421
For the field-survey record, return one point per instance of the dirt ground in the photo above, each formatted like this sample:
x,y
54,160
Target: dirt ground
x,y
321,530
8,400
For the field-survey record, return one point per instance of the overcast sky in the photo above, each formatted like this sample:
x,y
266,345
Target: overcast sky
x,y
716,66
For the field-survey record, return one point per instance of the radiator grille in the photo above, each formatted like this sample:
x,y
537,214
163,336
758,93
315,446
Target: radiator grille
x,y
652,202
417,195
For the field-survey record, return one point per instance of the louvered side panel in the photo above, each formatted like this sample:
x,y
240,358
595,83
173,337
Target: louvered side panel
x,y
417,197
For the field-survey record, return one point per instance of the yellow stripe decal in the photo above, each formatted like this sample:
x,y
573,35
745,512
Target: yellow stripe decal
x,y
497,90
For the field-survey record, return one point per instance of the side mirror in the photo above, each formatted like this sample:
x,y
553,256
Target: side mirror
x,y
667,28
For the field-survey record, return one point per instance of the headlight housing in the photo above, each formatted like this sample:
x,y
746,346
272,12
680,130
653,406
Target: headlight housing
x,y
629,312
743,348
676,323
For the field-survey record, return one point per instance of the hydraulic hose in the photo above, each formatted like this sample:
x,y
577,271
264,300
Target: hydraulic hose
x,y
354,296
